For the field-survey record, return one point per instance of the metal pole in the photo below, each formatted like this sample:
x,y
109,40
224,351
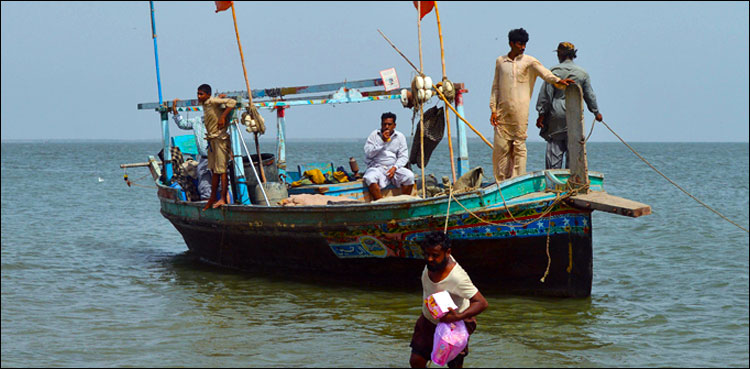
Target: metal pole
x,y
242,195
260,184
281,142
166,145
463,152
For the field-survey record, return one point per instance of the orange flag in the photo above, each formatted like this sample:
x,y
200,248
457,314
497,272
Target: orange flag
x,y
426,7
222,5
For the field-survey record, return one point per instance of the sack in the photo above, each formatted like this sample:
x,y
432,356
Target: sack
x,y
449,340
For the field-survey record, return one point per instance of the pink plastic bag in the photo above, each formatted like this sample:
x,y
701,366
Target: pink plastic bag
x,y
449,340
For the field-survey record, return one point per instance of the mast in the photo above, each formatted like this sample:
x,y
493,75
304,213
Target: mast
x,y
166,146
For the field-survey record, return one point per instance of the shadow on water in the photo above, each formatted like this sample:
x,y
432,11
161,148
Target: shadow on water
x,y
187,266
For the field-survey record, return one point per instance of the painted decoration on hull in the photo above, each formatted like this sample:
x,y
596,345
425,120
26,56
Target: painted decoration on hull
x,y
380,244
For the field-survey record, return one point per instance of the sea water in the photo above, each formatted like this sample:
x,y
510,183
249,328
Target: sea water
x,y
94,276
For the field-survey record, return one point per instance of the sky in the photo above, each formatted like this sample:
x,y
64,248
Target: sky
x,y
661,71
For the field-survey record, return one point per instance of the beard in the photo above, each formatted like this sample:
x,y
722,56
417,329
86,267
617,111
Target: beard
x,y
438,267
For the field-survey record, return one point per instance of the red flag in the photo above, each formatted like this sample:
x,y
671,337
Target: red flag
x,y
222,5
426,7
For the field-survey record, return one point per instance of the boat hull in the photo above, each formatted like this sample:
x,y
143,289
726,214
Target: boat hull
x,y
502,254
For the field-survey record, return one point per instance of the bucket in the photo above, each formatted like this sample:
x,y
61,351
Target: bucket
x,y
269,167
275,191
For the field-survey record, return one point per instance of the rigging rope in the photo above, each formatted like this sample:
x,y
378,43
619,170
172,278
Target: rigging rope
x,y
670,181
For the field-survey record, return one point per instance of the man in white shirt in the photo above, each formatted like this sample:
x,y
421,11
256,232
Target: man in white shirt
x,y
442,273
386,154
199,131
512,86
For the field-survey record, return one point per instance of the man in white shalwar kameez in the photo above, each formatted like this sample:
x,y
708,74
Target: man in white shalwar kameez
x,y
386,155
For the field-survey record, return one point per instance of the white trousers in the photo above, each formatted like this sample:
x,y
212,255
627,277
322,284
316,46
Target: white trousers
x,y
379,175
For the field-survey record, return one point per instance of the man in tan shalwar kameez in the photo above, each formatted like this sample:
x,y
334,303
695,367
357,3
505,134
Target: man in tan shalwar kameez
x,y
215,112
512,87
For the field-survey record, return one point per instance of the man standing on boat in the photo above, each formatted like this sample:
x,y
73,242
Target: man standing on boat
x,y
215,112
443,273
386,154
512,86
551,106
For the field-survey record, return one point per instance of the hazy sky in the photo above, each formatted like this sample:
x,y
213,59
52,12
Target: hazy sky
x,y
675,71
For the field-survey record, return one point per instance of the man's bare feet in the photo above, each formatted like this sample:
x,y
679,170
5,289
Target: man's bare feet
x,y
219,203
208,205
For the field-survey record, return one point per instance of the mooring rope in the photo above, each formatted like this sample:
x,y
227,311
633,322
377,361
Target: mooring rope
x,y
559,197
671,181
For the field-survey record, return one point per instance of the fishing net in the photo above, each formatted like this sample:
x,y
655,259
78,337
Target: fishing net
x,y
434,127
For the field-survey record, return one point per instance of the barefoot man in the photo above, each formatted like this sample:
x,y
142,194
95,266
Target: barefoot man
x,y
219,148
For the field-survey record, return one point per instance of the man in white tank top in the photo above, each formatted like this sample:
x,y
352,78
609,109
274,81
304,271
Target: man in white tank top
x,y
442,273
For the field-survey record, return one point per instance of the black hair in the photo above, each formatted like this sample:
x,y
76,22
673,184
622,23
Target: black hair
x,y
436,238
568,54
388,115
205,88
518,35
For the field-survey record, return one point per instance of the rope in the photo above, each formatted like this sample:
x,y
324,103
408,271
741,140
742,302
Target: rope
x,y
447,213
558,198
549,258
672,182
591,131
133,183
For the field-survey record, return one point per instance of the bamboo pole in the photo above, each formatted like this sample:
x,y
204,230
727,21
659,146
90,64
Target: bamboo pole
x,y
421,110
440,94
447,114
249,95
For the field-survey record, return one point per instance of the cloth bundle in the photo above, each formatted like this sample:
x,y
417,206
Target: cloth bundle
x,y
315,176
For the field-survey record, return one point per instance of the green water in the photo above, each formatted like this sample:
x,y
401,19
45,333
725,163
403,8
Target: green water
x,y
94,276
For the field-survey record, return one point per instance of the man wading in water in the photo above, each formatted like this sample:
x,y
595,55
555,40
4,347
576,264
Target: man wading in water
x,y
442,273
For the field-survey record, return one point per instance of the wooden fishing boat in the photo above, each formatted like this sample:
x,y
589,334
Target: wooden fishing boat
x,y
530,234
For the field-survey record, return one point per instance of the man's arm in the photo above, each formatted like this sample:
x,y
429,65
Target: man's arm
x,y
548,76
373,146
402,156
544,103
181,123
477,304
493,93
590,97
230,103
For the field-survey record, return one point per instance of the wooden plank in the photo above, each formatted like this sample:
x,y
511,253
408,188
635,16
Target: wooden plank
x,y
603,201
576,145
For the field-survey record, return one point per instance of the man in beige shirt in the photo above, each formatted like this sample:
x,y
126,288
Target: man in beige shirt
x,y
512,87
219,148
443,273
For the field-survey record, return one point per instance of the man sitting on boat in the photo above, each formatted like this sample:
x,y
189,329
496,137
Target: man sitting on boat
x,y
386,154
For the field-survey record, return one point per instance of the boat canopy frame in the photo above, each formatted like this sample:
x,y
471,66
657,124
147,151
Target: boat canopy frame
x,y
280,98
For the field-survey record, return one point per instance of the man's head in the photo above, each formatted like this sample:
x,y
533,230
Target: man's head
x,y
565,51
517,39
204,92
436,248
387,122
